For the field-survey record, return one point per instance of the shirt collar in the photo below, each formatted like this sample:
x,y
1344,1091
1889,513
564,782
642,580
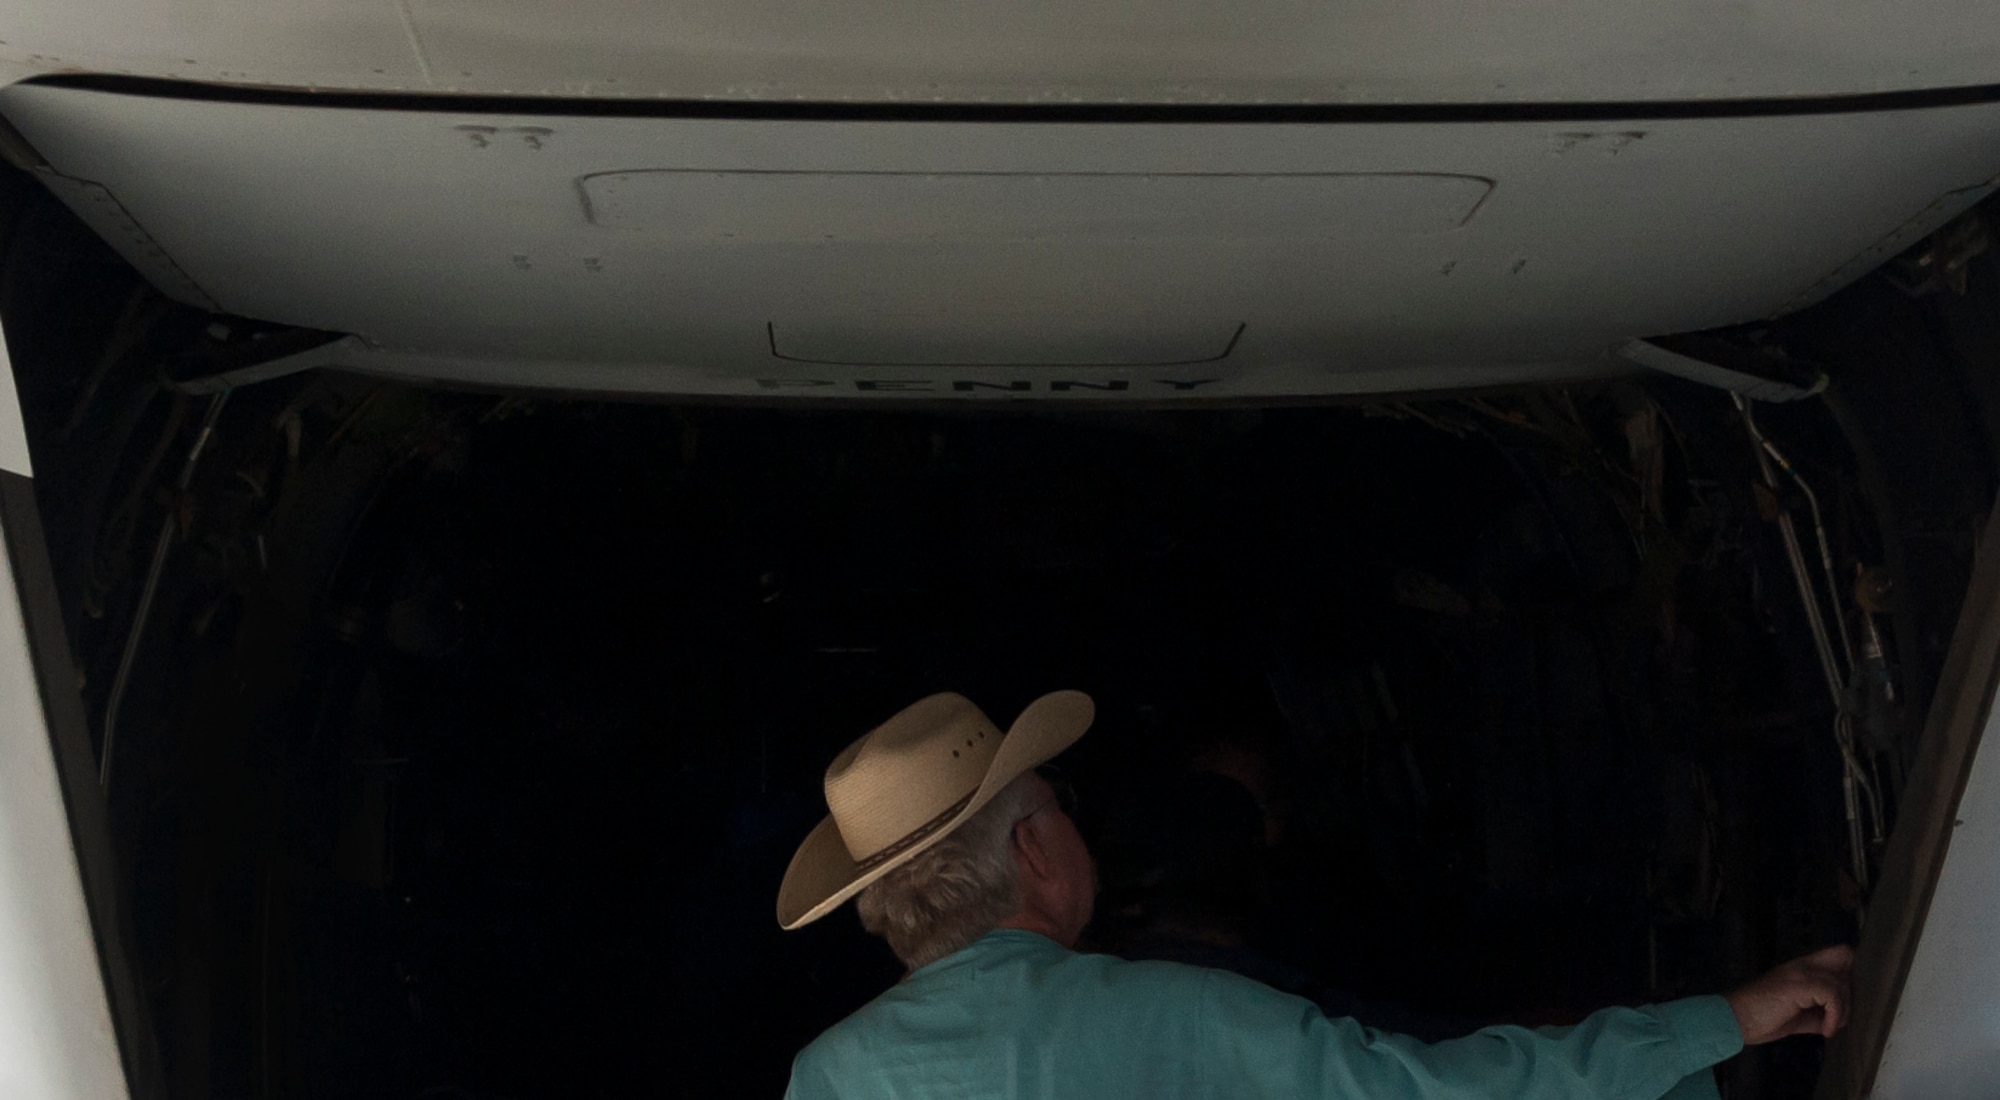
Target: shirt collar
x,y
992,943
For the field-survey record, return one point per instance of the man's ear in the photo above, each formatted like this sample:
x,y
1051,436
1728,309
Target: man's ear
x,y
1029,849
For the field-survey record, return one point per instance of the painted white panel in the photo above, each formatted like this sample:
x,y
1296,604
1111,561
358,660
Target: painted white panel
x,y
56,1040
346,43
1185,51
1945,1040
447,236
13,433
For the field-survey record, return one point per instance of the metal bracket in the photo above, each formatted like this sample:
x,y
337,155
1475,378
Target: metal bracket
x,y
1752,386
1945,262
274,357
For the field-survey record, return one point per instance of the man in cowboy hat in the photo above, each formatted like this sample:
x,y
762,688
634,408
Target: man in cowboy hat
x,y
964,859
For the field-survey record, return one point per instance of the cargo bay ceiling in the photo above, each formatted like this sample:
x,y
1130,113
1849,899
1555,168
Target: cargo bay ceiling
x,y
876,200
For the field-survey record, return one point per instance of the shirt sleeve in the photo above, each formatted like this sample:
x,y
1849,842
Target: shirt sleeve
x,y
1265,1043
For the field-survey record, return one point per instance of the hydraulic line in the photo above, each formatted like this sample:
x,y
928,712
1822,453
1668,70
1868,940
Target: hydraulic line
x,y
1770,449
152,588
1857,789
1808,591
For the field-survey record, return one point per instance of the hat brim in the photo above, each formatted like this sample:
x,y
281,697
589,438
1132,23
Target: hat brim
x,y
822,875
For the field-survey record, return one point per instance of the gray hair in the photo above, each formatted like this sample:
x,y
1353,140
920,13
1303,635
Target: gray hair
x,y
954,891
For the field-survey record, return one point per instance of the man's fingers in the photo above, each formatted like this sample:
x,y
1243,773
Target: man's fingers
x,y
1839,958
1836,1010
1811,1021
1829,990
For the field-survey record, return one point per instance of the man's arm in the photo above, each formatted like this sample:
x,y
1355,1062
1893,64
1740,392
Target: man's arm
x,y
1260,1043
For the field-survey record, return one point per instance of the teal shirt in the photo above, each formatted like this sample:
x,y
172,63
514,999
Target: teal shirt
x,y
1015,1016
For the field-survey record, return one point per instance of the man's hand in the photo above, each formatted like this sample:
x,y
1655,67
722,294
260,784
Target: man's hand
x,y
1807,996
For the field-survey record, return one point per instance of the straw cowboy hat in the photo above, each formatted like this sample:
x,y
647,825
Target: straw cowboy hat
x,y
909,782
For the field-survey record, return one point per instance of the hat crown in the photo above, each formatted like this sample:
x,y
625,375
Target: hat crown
x,y
913,771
